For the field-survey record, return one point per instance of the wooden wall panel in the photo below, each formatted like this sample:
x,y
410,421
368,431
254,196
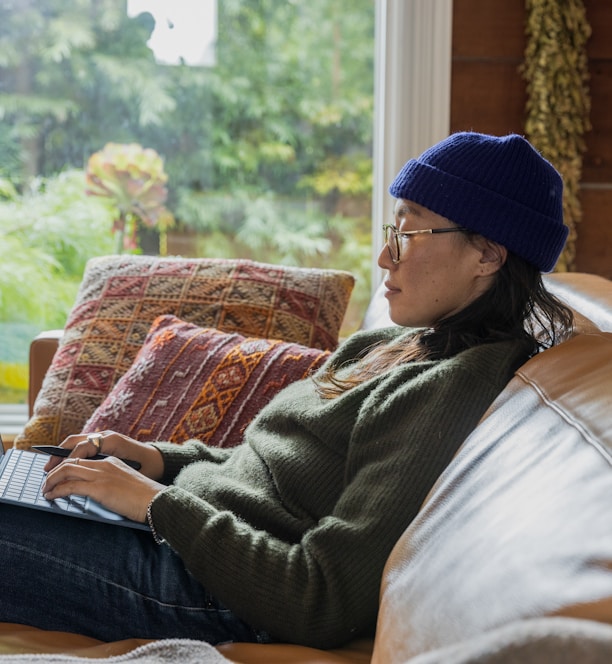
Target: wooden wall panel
x,y
488,94
594,235
599,15
487,97
488,29
487,91
598,160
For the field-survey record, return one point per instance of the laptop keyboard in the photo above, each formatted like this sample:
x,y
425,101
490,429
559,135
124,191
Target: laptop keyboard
x,y
21,483
23,478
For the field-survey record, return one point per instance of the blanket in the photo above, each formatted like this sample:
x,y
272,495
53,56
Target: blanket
x,y
159,652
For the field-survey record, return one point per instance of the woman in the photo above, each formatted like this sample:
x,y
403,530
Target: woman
x,y
285,537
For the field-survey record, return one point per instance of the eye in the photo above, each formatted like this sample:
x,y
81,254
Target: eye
x,y
406,217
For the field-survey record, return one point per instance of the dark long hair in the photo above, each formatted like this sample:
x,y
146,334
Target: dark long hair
x,y
517,306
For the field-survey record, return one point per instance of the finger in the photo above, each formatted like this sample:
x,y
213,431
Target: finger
x,y
95,439
55,461
71,441
77,445
70,469
52,463
84,449
109,442
63,490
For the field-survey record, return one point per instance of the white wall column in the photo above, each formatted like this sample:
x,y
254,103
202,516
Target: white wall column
x,y
411,95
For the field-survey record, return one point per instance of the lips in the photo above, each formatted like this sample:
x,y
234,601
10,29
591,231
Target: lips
x,y
391,290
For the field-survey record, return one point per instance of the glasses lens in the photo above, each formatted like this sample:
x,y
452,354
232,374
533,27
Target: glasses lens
x,y
392,243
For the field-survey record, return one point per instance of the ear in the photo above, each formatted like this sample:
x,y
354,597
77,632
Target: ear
x,y
492,255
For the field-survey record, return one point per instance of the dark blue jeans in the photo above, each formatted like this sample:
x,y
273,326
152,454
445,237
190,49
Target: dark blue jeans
x,y
104,581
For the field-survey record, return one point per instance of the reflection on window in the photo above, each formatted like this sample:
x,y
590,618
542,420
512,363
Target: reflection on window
x,y
261,111
184,32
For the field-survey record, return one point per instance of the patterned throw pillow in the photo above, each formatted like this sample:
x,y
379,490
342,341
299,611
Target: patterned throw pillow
x,y
193,382
120,296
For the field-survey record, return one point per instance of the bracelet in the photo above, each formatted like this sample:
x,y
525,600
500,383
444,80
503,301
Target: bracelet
x,y
156,537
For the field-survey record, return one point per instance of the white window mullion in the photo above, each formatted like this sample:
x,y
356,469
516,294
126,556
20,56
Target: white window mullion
x,y
411,93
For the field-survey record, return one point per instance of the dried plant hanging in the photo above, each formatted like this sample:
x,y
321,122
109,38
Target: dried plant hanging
x,y
558,103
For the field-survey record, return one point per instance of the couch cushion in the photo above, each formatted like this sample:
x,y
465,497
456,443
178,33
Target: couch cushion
x,y
120,297
534,641
518,526
589,295
186,381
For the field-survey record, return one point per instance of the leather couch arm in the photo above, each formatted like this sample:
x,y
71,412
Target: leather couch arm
x,y
42,350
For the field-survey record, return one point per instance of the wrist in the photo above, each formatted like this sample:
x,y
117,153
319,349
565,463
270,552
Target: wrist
x,y
153,463
149,519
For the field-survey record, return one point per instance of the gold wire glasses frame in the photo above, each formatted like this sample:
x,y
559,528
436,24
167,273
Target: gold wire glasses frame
x,y
392,236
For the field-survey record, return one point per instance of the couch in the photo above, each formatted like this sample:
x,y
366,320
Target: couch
x,y
510,557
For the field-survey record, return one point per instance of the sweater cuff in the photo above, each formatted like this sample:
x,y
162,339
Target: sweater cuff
x,y
175,514
177,456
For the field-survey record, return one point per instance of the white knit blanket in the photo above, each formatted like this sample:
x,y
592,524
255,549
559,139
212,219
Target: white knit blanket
x,y
168,651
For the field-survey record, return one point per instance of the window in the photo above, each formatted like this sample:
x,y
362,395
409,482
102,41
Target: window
x,y
263,119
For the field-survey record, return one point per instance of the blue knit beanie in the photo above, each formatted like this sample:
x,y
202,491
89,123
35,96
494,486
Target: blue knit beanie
x,y
499,187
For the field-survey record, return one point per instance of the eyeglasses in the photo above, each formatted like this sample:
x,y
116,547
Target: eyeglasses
x,y
392,236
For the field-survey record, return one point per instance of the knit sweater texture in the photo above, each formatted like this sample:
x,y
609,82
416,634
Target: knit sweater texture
x,y
292,528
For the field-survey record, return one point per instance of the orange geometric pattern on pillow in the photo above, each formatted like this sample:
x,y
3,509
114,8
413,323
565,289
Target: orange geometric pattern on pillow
x,y
192,382
120,296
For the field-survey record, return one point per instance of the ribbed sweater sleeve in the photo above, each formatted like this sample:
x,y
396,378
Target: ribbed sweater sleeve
x,y
176,457
292,529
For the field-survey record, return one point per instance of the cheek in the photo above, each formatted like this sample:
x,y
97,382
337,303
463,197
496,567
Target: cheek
x,y
433,286
422,272
420,283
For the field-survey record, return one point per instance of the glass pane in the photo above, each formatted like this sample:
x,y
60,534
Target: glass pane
x,y
260,110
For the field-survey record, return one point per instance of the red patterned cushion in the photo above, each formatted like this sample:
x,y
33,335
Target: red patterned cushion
x,y
120,296
193,382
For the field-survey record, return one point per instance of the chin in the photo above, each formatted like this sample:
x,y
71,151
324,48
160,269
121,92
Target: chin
x,y
407,321
411,321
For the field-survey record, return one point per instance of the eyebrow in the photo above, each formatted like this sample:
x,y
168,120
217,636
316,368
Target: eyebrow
x,y
406,208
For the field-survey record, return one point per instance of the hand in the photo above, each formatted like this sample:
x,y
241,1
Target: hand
x,y
109,481
113,444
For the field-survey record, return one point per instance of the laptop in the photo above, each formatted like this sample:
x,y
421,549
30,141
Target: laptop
x,y
21,479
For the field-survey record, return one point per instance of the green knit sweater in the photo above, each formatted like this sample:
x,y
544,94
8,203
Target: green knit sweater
x,y
291,530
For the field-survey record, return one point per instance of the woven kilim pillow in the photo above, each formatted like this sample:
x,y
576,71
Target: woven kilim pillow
x,y
193,382
120,296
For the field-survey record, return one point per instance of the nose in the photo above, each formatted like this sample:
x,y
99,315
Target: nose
x,y
384,258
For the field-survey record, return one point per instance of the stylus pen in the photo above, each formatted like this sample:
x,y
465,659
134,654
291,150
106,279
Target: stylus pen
x,y
64,452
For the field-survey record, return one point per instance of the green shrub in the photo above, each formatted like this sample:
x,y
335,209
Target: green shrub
x,y
47,234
